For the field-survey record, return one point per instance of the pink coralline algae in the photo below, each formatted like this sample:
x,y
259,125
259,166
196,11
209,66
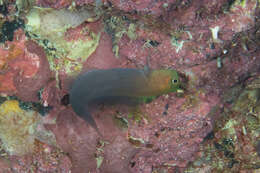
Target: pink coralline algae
x,y
146,6
171,136
7,85
23,61
44,159
54,4
214,45
28,86
58,4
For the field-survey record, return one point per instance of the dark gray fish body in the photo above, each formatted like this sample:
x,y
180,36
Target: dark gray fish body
x,y
99,86
124,86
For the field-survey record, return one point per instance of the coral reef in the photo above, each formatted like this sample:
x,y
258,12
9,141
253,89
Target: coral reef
x,y
17,140
23,63
67,45
233,144
24,140
211,125
19,128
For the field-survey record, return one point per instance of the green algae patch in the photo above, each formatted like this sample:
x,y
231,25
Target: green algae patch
x,y
72,54
99,154
138,116
121,122
177,44
230,128
67,46
137,142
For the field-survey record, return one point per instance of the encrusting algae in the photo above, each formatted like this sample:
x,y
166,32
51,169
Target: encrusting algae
x,y
17,127
51,29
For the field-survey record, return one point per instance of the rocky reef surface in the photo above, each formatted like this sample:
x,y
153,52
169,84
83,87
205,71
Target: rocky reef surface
x,y
211,125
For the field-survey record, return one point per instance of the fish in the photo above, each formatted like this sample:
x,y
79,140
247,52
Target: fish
x,y
119,85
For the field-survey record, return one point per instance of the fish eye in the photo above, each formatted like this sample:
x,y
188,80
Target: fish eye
x,y
174,81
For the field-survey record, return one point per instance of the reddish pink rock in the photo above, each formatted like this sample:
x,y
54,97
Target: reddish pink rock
x,y
170,133
173,134
170,129
77,139
7,84
25,68
5,165
103,57
28,84
54,3
51,95
44,159
58,4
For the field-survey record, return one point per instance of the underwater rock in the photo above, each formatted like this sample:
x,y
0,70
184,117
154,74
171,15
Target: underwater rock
x,y
19,129
29,84
24,68
234,145
67,42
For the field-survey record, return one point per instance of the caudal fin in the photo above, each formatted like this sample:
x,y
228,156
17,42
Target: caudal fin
x,y
89,119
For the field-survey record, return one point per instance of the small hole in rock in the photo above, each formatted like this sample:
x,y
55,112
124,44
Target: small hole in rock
x,y
132,164
65,100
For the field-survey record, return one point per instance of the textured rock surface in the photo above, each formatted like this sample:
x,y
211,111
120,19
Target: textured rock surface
x,y
213,44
